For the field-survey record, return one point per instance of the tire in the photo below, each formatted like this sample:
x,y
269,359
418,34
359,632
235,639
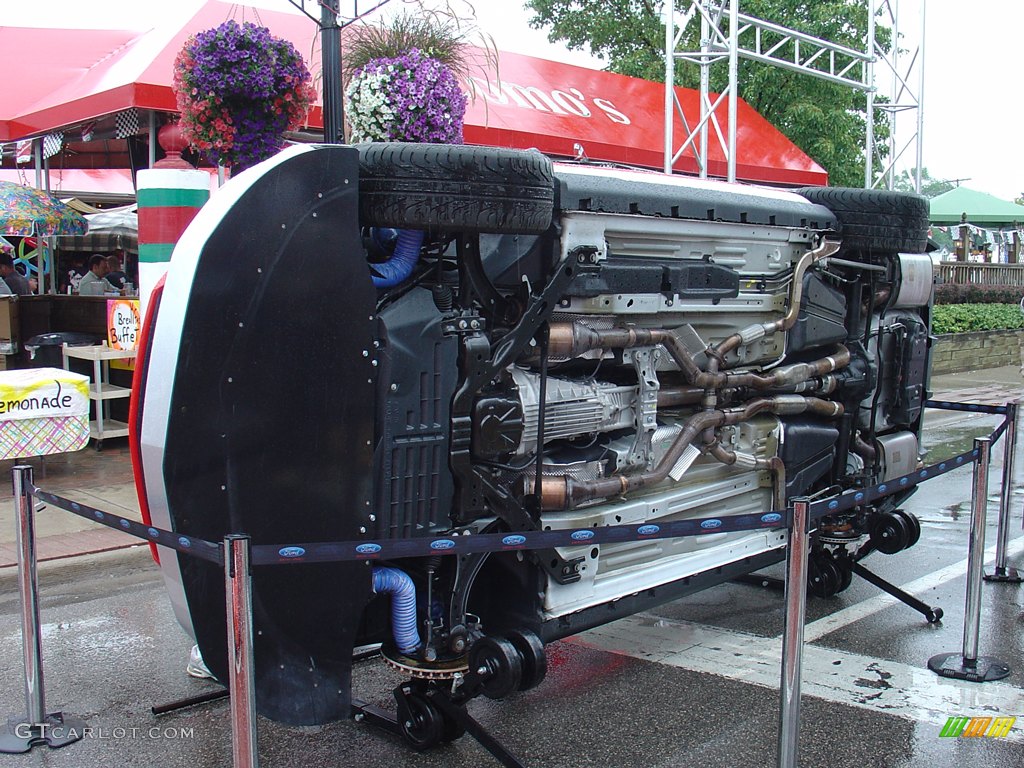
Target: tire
x,y
874,219
455,188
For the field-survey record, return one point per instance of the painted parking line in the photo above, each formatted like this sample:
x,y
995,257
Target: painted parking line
x,y
884,686
863,609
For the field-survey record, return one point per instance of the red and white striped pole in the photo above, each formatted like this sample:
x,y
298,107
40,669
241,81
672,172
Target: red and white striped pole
x,y
170,195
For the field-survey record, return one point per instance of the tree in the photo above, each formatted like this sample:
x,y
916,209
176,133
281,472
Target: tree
x,y
826,120
929,187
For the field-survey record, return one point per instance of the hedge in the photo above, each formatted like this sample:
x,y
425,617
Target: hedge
x,y
963,318
947,293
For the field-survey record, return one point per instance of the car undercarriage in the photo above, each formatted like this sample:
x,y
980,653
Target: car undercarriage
x,y
487,341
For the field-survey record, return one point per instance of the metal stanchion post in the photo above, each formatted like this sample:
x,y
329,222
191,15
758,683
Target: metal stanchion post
x,y
967,665
36,727
793,635
1002,571
241,678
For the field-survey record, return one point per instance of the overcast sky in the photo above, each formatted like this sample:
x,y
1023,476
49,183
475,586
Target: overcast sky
x,y
972,116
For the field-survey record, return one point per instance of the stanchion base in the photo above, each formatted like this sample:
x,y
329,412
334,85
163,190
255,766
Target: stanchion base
x,y
58,730
1006,575
983,670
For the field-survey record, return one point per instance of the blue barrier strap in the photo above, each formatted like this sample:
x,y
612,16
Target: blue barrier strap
x,y
856,497
946,405
190,545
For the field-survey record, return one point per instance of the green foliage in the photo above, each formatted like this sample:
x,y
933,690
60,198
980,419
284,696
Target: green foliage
x,y
436,37
963,318
929,187
826,120
978,294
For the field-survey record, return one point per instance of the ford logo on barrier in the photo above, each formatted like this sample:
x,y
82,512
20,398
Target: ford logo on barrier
x,y
124,524
648,530
581,535
291,551
771,517
153,532
514,540
442,544
710,525
368,549
183,542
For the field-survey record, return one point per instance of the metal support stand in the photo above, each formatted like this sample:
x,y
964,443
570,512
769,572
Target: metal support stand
x,y
967,665
793,634
452,709
1002,571
241,674
193,701
932,614
36,726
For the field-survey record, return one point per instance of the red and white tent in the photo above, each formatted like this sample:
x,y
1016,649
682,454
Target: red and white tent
x,y
65,80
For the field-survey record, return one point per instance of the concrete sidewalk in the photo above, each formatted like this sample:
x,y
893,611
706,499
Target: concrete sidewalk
x,y
103,479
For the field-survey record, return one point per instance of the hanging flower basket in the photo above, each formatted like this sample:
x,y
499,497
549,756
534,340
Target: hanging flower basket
x,y
239,89
411,97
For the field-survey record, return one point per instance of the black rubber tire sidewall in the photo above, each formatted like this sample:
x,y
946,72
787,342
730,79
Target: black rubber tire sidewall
x,y
455,188
876,219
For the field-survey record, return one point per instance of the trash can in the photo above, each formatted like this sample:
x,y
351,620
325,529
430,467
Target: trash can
x,y
46,349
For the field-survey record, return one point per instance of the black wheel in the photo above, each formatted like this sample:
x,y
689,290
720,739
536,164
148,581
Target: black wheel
x,y
451,729
824,576
934,616
423,725
455,188
497,661
913,524
890,533
875,219
531,653
846,574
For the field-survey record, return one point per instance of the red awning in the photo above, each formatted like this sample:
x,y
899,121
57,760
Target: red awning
x,y
57,79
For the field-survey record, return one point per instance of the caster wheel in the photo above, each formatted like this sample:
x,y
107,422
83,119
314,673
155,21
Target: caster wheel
x,y
890,533
451,729
846,574
531,654
497,661
423,725
934,616
913,524
825,577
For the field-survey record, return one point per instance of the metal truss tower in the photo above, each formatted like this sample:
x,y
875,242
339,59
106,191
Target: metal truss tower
x,y
727,35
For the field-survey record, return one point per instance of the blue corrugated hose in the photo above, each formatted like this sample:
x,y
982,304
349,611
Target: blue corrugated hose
x,y
398,268
399,585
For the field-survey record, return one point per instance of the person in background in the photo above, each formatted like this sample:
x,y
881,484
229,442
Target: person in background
x,y
14,279
73,275
94,282
116,276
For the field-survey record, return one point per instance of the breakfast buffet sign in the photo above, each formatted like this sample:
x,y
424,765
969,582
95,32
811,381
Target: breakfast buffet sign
x,y
123,325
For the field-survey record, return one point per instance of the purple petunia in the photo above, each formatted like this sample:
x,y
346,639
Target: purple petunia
x,y
408,98
239,88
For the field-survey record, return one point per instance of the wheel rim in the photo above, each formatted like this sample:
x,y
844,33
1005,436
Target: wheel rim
x,y
531,653
497,661
424,727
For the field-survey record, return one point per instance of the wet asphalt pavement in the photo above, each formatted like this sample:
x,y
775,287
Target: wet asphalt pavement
x,y
693,683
